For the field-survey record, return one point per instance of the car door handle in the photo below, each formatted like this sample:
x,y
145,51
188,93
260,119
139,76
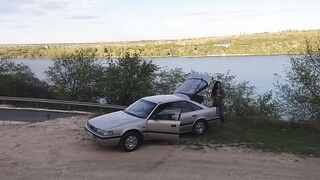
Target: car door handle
x,y
194,115
173,125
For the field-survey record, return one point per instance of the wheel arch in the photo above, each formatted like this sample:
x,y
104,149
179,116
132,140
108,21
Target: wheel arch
x,y
134,130
201,119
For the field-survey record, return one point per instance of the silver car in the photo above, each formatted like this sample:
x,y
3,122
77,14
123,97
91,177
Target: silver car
x,y
161,117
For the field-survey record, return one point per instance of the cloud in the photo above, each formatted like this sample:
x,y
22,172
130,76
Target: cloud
x,y
271,12
9,7
242,13
45,6
204,12
36,7
207,15
96,22
20,27
83,17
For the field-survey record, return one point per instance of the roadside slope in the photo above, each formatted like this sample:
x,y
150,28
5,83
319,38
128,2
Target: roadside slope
x,y
59,149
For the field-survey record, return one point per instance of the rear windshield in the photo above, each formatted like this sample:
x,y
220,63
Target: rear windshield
x,y
190,86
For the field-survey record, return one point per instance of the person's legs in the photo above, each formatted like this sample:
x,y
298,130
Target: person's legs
x,y
221,114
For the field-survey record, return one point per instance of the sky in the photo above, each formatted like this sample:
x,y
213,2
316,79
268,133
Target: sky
x,y
72,21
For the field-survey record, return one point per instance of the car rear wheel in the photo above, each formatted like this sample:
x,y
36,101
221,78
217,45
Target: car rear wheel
x,y
130,141
200,127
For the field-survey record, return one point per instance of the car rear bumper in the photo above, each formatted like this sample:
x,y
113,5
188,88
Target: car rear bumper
x,y
114,140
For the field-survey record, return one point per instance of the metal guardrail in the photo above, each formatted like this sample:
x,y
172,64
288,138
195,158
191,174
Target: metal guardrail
x,y
62,102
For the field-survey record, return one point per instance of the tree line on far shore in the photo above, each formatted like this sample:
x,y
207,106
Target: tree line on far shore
x,y
280,43
82,76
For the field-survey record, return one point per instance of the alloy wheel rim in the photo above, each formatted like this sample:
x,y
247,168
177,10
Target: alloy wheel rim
x,y
131,142
200,127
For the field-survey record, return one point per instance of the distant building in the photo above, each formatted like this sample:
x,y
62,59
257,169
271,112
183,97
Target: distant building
x,y
225,45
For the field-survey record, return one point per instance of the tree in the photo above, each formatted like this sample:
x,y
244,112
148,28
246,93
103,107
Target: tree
x,y
9,67
242,100
18,80
76,76
168,79
128,79
299,94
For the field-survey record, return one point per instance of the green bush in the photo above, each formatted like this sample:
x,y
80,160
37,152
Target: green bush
x,y
18,80
241,99
299,94
167,80
76,76
128,79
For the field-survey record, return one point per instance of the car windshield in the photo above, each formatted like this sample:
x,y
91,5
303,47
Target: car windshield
x,y
140,108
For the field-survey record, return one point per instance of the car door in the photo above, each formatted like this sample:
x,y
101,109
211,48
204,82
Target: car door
x,y
164,123
188,116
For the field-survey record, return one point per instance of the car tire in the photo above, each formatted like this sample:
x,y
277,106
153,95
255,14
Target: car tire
x,y
200,127
130,141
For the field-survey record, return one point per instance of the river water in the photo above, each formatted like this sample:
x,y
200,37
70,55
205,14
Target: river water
x,y
258,70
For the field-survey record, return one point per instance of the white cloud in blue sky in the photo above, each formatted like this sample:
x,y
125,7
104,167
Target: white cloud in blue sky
x,y
45,21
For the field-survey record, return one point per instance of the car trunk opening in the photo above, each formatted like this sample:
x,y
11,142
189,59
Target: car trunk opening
x,y
194,84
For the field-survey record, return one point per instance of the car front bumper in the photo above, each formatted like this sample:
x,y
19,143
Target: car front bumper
x,y
113,140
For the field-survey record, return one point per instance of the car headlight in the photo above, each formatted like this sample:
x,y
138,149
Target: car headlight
x,y
105,133
99,131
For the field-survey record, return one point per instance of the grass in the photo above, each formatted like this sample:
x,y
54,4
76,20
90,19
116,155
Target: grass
x,y
262,134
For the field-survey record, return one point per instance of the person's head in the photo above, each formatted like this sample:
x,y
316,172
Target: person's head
x,y
217,85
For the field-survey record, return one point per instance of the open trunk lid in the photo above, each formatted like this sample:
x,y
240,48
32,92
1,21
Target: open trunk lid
x,y
193,85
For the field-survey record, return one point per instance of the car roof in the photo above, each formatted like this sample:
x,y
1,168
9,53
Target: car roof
x,y
159,99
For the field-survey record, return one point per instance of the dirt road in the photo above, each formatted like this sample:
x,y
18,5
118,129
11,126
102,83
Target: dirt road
x,y
59,149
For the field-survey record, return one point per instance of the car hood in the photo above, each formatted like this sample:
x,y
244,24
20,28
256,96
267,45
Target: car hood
x,y
112,120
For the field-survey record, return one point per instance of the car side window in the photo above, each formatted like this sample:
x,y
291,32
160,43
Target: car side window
x,y
195,107
185,106
168,111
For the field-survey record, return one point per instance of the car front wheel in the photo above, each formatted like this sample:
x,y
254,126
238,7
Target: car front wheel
x,y
130,141
200,127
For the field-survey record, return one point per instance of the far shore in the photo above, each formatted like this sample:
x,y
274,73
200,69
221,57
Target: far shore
x,y
221,55
153,57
